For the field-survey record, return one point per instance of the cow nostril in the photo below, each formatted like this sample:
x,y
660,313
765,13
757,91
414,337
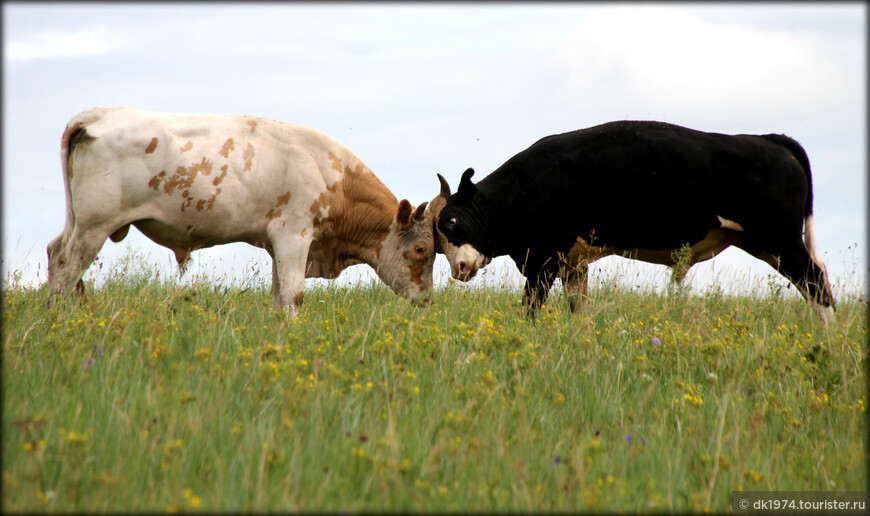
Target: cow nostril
x,y
462,267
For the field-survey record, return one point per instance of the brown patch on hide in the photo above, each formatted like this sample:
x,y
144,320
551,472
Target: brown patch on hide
x,y
155,181
248,156
351,220
187,146
359,168
151,146
184,176
207,203
282,200
227,147
416,270
221,177
210,202
336,162
714,242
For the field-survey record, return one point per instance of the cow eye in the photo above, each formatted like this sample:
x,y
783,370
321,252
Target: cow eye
x,y
419,249
451,222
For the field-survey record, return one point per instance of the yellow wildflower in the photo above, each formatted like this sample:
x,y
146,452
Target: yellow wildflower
x,y
76,439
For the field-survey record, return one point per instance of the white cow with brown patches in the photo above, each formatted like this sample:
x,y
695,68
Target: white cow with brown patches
x,y
190,181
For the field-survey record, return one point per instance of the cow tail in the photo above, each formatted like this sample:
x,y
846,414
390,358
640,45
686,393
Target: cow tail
x,y
809,233
76,128
66,167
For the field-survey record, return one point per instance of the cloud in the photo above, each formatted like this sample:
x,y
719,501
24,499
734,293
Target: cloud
x,y
654,61
60,44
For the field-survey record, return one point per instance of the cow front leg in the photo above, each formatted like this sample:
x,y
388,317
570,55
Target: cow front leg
x,y
538,285
288,273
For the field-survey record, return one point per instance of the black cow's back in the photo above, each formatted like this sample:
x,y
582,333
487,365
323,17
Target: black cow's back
x,y
645,185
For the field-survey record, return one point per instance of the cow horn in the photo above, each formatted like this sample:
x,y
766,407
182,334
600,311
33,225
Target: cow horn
x,y
421,212
445,188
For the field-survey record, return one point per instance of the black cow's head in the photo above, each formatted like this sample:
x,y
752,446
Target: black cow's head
x,y
458,228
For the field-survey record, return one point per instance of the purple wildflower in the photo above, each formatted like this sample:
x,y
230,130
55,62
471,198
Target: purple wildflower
x,y
628,438
557,460
99,349
656,341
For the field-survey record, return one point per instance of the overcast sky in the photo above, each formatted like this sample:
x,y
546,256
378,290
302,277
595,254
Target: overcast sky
x,y
415,89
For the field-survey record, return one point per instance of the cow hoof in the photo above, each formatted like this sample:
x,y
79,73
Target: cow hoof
x,y
422,302
826,313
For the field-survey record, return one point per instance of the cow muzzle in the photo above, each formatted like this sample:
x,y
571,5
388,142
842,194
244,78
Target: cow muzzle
x,y
467,261
422,301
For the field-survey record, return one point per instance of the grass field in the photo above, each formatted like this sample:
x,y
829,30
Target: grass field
x,y
149,396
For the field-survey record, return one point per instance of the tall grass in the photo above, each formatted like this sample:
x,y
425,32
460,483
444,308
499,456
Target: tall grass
x,y
148,395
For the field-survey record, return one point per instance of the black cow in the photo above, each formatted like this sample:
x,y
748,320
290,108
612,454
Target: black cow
x,y
642,190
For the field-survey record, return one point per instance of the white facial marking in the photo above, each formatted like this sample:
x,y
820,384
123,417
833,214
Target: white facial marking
x,y
466,262
324,212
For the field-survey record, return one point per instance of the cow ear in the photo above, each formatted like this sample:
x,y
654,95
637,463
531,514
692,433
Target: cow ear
x,y
466,189
445,188
420,212
403,215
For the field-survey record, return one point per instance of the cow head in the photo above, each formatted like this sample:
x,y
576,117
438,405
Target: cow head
x,y
407,253
457,235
